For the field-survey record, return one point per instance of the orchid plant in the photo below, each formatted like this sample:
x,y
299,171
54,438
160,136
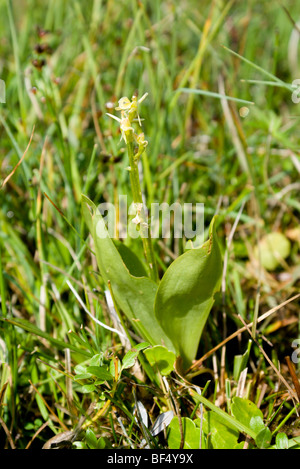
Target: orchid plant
x,y
171,311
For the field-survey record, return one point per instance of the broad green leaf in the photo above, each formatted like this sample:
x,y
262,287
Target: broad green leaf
x,y
246,412
79,445
131,260
100,372
96,359
263,433
185,295
263,438
293,442
81,376
134,295
80,369
257,424
86,389
91,439
282,441
221,434
191,434
130,357
103,443
161,359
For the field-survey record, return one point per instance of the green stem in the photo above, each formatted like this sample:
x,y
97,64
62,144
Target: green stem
x,y
228,418
138,199
294,409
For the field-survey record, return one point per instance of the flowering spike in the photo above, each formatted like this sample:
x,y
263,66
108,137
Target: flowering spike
x,y
129,114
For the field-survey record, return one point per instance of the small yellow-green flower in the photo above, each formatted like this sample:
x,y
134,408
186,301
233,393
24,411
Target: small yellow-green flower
x,y
142,143
131,107
125,126
129,111
124,104
140,140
